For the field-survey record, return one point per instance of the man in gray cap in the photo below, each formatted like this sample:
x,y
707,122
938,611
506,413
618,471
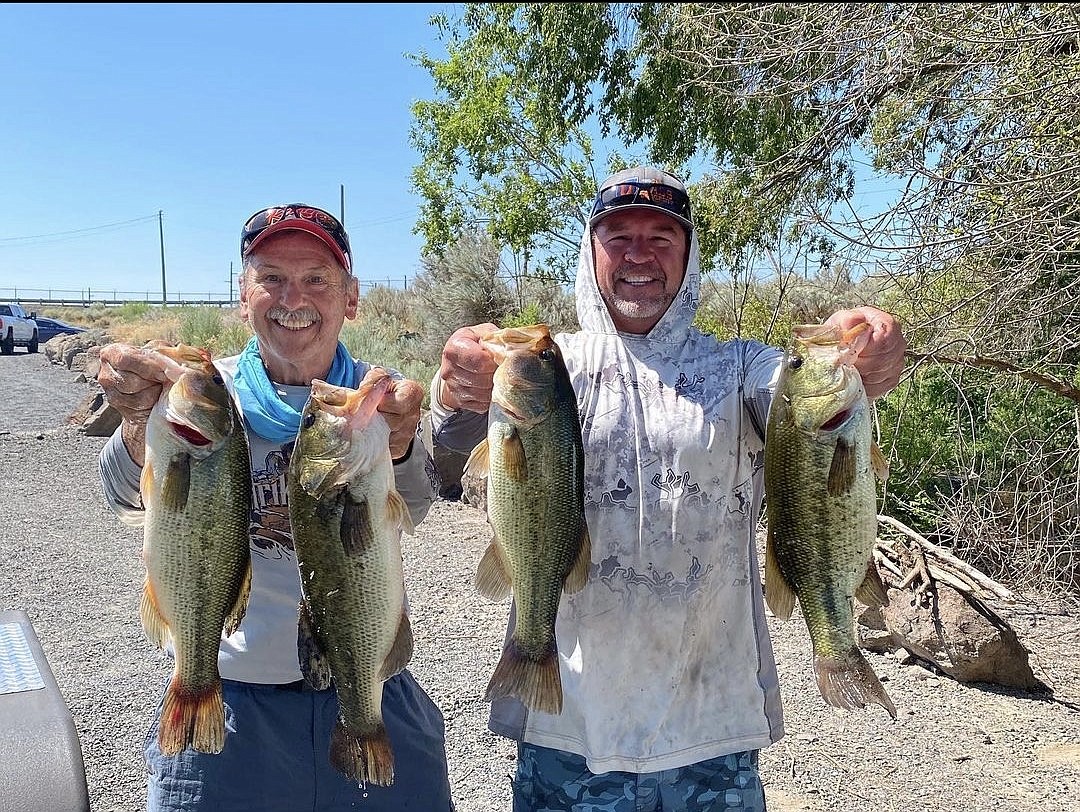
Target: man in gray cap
x,y
668,677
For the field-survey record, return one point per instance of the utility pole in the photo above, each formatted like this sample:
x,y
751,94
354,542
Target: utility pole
x,y
161,235
342,204
230,283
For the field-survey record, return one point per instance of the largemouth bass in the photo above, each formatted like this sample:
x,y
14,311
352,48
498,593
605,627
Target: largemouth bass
x,y
821,470
196,490
534,463
347,518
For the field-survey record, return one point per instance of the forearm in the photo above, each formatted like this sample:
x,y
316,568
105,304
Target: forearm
x,y
457,430
415,480
120,477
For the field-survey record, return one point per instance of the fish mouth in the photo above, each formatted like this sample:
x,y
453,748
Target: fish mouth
x,y
357,405
825,339
501,343
837,420
189,433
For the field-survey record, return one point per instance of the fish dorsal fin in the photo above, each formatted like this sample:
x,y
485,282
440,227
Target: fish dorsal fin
x,y
357,532
399,511
872,592
318,476
239,609
493,579
579,573
778,593
477,464
400,652
154,625
515,464
879,463
313,663
842,470
176,483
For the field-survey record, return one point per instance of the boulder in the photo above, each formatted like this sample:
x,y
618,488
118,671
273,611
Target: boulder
x,y
75,351
94,416
474,491
957,634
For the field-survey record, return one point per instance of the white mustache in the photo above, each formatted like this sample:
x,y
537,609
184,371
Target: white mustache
x,y
294,319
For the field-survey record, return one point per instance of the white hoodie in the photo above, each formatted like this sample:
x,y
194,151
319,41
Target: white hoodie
x,y
665,656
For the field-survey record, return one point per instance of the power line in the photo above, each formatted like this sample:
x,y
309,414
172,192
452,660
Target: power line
x,y
89,231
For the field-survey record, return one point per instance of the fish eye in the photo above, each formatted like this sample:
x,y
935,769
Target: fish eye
x,y
795,362
309,420
219,380
547,355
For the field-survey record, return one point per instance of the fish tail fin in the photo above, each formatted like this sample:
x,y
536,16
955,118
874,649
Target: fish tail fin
x,y
154,624
849,681
536,682
192,716
364,758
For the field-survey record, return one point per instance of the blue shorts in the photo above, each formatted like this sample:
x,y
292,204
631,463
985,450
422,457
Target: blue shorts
x,y
276,756
556,781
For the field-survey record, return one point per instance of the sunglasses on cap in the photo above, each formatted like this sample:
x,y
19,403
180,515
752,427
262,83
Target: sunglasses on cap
x,y
303,217
656,195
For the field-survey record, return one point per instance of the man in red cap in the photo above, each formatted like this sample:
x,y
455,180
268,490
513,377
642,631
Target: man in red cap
x,y
296,290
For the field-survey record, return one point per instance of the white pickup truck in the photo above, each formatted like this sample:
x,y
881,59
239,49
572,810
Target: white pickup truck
x,y
17,329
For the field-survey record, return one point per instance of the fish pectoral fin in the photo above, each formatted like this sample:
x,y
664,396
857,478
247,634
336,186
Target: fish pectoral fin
x,y
493,573
477,464
146,481
515,464
401,652
313,663
872,591
154,624
176,483
579,572
879,463
399,511
357,533
778,593
842,470
317,476
239,608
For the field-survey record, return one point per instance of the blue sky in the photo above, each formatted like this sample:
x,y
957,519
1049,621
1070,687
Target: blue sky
x,y
207,113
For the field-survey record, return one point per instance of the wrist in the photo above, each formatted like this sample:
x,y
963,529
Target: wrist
x,y
134,437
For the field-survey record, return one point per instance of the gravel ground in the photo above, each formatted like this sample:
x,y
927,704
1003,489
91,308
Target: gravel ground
x,y
74,568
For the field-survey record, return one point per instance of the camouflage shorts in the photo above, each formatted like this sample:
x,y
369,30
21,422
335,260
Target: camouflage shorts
x,y
556,781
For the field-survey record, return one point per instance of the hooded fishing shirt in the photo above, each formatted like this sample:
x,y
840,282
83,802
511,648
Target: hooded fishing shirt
x,y
665,657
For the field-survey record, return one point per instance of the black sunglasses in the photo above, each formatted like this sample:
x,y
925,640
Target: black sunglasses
x,y
660,195
262,220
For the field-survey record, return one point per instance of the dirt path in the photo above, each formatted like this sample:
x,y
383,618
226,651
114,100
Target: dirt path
x,y
74,568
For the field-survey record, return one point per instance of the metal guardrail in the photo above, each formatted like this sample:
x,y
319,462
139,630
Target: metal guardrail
x,y
50,297
43,297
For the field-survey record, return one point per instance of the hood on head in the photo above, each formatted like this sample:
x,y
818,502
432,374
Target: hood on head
x,y
593,315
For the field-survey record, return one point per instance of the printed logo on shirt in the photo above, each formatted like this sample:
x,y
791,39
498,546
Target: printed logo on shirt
x,y
628,582
271,533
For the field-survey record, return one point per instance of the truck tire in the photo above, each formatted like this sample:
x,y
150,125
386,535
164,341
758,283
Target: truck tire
x,y
33,345
7,343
